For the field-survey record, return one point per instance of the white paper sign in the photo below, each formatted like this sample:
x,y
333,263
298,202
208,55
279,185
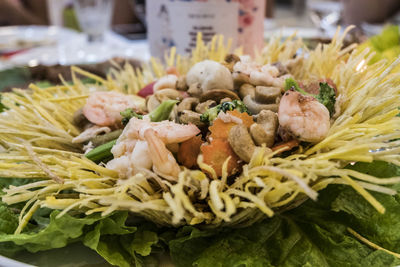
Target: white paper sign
x,y
176,23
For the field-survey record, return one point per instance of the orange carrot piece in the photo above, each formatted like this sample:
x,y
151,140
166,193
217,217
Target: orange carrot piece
x,y
246,118
217,152
189,150
172,70
286,146
220,129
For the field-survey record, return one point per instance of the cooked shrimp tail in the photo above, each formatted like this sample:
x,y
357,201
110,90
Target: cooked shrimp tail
x,y
164,162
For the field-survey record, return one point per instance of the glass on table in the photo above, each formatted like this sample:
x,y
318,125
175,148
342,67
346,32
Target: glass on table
x,y
94,17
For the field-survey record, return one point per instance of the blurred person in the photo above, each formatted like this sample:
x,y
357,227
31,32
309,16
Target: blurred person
x,y
371,11
26,12
23,12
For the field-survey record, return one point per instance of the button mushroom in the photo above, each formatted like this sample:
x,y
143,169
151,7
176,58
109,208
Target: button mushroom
x,y
241,142
210,75
264,130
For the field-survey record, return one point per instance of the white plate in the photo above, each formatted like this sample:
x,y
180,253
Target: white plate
x,y
54,45
19,37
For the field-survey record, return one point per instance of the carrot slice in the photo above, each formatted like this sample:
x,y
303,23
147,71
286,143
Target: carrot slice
x,y
286,146
220,129
217,152
244,116
188,151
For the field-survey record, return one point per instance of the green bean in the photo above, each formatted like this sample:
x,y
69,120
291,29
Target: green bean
x,y
163,111
101,152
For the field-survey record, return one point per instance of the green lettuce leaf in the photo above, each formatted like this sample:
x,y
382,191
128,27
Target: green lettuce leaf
x,y
314,234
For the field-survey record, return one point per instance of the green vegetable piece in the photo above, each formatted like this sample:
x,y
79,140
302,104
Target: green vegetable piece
x,y
101,152
212,113
2,106
327,97
128,114
290,83
163,111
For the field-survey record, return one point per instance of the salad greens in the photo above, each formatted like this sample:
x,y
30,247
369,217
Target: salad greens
x,y
313,234
326,95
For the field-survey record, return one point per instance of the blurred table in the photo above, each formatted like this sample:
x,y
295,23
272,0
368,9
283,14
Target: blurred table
x,y
42,45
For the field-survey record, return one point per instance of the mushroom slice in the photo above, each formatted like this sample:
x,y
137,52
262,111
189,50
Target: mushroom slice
x,y
188,103
166,94
218,94
241,142
188,116
167,81
264,94
226,99
79,119
195,90
202,107
230,61
247,89
181,84
152,103
264,131
255,107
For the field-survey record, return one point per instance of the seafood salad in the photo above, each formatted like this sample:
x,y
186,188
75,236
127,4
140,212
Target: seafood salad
x,y
200,144
216,114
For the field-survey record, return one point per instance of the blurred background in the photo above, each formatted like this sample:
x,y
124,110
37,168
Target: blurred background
x,y
41,39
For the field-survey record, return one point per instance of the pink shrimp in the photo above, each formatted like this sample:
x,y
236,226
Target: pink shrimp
x,y
169,132
303,117
164,162
103,108
142,145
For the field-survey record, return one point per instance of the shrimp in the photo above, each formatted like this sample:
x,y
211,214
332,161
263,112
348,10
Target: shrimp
x,y
142,145
266,75
164,162
303,117
103,108
169,132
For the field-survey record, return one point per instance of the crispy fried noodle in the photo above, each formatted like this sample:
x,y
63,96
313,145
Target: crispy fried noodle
x,y
36,134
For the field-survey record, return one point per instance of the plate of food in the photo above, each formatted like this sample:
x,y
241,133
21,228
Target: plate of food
x,y
216,158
